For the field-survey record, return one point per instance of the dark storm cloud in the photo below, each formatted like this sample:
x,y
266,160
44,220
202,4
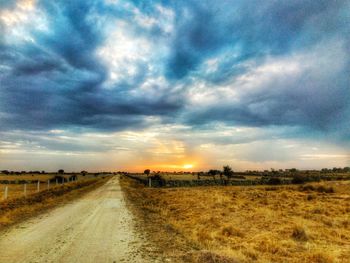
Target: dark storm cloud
x,y
57,80
254,28
316,99
238,32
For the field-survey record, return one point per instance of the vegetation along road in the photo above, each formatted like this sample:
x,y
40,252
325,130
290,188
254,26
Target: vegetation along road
x,y
94,228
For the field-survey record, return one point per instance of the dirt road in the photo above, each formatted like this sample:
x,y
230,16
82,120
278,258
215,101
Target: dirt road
x,y
95,228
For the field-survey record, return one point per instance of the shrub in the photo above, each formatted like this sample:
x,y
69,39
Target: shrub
x,y
214,172
299,234
307,187
157,178
274,181
320,189
298,179
323,189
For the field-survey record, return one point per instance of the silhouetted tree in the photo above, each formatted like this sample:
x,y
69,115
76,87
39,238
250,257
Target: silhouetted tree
x,y
228,172
147,172
293,170
214,172
199,174
61,171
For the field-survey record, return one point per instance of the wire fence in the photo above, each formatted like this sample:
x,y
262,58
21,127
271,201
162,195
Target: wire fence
x,y
25,188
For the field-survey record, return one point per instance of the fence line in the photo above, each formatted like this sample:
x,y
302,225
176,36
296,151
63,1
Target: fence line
x,y
163,182
8,191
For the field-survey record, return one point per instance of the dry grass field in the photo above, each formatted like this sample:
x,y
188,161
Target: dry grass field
x,y
16,190
309,223
29,177
19,207
42,177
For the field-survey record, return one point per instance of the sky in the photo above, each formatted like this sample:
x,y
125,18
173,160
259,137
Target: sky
x,y
174,85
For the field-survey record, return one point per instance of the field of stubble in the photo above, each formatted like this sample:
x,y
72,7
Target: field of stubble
x,y
309,223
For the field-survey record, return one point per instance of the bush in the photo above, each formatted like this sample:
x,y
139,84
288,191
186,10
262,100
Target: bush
x,y
299,234
320,189
274,181
323,189
214,172
307,187
158,179
298,179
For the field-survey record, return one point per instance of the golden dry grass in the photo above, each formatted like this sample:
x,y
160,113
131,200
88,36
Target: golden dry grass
x,y
41,177
26,177
18,208
252,224
17,190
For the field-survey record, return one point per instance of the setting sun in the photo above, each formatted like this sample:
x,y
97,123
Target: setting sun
x,y
188,166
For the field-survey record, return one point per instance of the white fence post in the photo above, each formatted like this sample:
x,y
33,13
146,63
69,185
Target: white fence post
x,y
149,182
48,184
38,187
56,181
25,190
6,192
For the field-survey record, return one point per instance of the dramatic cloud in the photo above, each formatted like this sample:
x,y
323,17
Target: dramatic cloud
x,y
276,70
57,73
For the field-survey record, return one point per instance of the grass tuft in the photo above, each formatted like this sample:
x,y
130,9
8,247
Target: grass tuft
x,y
299,234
